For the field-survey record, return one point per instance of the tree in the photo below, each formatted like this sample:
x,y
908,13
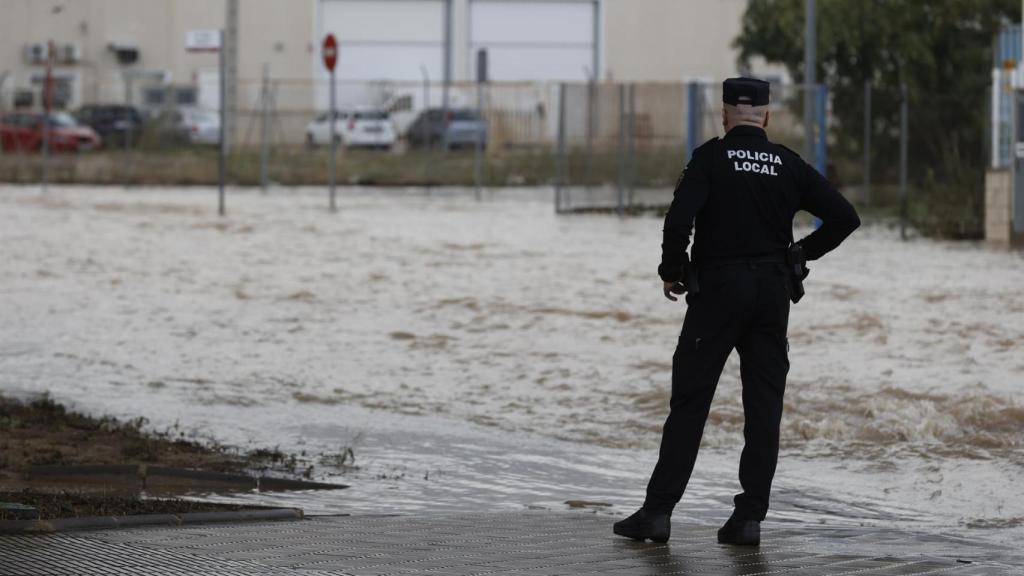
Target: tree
x,y
941,50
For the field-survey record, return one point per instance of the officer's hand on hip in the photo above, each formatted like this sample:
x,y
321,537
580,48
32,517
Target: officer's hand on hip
x,y
671,288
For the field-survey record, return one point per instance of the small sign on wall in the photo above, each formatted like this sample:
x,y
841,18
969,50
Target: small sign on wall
x,y
202,40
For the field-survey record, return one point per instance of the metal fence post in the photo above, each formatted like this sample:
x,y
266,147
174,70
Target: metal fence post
x,y
693,116
333,164
1015,135
867,142
631,148
560,155
47,105
821,119
621,152
425,132
478,140
446,73
591,100
810,72
222,144
904,136
264,127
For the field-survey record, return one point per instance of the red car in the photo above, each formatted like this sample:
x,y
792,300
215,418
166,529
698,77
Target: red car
x,y
23,131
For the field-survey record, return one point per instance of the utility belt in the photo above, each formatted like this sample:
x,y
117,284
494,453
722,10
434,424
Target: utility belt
x,y
793,259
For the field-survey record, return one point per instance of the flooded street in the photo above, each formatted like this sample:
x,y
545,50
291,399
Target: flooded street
x,y
479,355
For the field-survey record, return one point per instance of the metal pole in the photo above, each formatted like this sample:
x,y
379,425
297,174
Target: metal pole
x,y
264,127
591,100
478,142
334,148
478,139
597,42
560,157
997,88
222,147
621,187
867,142
229,45
425,125
810,73
128,101
47,106
631,144
821,120
447,68
693,116
904,137
1016,133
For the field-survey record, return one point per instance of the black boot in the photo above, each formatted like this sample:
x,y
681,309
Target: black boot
x,y
741,532
645,525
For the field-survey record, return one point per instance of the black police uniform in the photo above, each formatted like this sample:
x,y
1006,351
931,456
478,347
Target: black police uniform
x,y
743,191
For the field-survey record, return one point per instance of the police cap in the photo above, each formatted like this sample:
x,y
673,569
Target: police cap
x,y
750,91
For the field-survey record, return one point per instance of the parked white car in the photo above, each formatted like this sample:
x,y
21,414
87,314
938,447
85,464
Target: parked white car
x,y
201,126
187,124
364,128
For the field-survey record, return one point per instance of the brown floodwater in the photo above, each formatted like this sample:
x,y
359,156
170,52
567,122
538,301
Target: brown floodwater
x,y
493,355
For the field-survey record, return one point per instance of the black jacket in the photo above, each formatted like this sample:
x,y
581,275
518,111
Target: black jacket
x,y
743,191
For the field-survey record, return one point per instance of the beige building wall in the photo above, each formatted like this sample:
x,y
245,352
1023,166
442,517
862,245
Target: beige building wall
x,y
674,40
275,32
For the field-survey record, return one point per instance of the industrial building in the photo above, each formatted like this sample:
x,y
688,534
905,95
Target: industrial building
x,y
149,52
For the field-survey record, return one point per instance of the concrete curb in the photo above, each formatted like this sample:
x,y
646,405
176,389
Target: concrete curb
x,y
108,522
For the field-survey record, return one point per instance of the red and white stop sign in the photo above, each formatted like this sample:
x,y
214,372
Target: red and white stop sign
x,y
330,51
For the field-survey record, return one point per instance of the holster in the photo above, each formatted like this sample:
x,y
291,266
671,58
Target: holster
x,y
796,266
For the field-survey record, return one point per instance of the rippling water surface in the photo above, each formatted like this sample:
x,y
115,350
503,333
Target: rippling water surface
x,y
492,355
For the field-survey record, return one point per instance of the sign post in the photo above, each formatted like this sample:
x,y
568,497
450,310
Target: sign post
x,y
213,41
330,54
47,108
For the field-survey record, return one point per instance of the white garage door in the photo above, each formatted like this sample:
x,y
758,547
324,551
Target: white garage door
x,y
533,39
392,40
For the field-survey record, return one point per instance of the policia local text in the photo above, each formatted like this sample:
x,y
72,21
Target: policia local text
x,y
759,162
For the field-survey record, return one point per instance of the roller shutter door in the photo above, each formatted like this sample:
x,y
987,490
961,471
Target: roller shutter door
x,y
533,39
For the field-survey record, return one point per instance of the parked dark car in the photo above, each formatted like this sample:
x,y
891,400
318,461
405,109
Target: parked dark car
x,y
23,132
462,128
115,123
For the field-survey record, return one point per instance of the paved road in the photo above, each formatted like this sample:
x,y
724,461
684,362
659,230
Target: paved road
x,y
528,543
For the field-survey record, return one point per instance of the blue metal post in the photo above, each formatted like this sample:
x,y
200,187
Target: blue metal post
x,y
821,134
821,142
693,131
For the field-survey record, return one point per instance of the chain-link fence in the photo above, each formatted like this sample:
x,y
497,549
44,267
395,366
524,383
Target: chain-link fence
x,y
623,146
603,146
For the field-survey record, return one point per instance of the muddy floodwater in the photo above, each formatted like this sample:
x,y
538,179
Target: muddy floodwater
x,y
492,355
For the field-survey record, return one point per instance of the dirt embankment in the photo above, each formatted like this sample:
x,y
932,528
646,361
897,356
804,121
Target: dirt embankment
x,y
44,433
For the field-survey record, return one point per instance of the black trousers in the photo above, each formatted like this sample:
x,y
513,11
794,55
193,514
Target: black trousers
x,y
743,306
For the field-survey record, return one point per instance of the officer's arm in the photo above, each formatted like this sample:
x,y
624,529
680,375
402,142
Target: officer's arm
x,y
839,218
690,195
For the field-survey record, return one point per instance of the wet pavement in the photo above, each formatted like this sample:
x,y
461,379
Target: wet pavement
x,y
526,543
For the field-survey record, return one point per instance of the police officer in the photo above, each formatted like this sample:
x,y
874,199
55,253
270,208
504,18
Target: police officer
x,y
743,191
